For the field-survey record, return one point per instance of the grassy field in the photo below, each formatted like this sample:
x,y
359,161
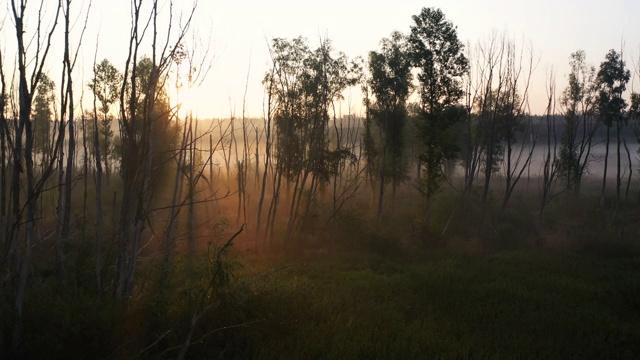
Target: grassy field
x,y
521,304
525,303
519,289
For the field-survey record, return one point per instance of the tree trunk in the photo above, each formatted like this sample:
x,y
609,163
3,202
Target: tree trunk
x,y
618,165
626,194
606,163
99,215
382,171
266,169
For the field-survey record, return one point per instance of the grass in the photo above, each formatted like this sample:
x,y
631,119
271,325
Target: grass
x,y
525,303
567,287
519,304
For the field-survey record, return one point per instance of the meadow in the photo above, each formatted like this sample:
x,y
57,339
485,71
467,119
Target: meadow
x,y
358,292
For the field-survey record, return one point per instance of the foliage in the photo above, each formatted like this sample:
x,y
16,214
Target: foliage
x,y
612,81
438,55
154,324
390,83
306,83
43,114
303,87
577,100
439,144
106,85
165,130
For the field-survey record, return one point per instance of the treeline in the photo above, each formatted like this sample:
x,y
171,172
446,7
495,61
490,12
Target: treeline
x,y
472,111
76,187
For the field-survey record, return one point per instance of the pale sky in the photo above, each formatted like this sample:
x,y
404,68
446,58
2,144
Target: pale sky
x,y
240,31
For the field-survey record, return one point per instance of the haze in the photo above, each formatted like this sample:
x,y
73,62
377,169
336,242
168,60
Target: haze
x,y
237,34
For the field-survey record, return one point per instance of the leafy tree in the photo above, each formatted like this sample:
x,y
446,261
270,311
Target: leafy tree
x,y
438,54
106,87
43,115
612,81
304,84
577,101
288,58
152,106
390,83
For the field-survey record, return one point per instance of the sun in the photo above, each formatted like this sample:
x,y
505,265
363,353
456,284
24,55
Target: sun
x,y
188,102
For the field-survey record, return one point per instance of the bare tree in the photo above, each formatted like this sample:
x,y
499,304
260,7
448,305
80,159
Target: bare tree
x,y
518,156
4,138
139,121
634,114
550,167
473,81
243,165
30,70
268,146
484,141
98,184
348,175
67,111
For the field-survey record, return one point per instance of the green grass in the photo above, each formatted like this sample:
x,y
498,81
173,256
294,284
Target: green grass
x,y
521,304
513,288
527,303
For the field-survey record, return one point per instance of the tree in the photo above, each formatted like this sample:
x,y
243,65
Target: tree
x,y
144,123
42,116
500,97
634,118
612,81
517,157
390,83
634,115
4,156
105,85
66,172
438,54
30,66
577,101
303,86
550,162
284,84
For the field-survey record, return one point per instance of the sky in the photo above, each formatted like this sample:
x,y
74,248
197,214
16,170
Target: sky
x,y
237,33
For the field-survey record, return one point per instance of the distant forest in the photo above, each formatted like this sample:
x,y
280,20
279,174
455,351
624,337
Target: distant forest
x,y
107,202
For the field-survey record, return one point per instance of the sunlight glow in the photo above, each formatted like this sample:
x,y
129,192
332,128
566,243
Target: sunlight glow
x,y
189,102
